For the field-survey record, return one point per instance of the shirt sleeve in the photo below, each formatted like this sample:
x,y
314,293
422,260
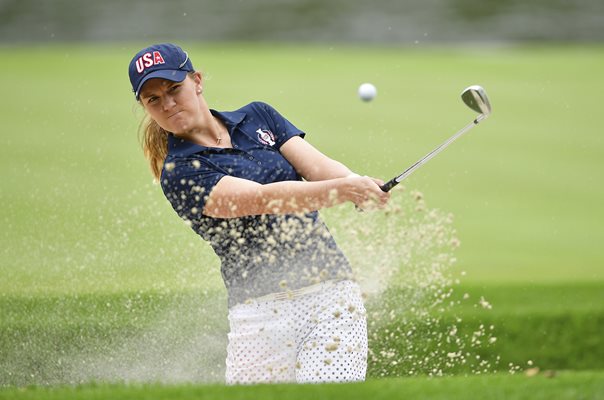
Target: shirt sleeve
x,y
280,126
187,183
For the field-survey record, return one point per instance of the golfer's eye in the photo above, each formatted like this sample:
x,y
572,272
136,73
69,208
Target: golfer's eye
x,y
174,88
151,99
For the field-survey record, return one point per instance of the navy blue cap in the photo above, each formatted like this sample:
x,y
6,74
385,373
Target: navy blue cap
x,y
165,60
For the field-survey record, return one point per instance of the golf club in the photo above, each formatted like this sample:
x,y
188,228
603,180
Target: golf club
x,y
474,97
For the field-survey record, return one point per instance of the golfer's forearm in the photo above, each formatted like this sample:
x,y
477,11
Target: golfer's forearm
x,y
293,196
277,198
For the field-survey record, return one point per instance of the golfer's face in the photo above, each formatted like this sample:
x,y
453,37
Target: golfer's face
x,y
173,105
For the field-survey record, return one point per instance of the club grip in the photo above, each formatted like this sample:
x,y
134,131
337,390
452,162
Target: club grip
x,y
389,185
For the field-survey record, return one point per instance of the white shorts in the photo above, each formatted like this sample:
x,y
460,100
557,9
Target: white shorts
x,y
315,334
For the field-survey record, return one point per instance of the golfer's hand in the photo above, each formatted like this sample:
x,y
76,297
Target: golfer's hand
x,y
365,192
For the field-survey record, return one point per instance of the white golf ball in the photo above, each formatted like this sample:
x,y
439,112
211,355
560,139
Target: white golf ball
x,y
367,92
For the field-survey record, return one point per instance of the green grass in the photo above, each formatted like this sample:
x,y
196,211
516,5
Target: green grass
x,y
44,339
524,187
554,327
564,385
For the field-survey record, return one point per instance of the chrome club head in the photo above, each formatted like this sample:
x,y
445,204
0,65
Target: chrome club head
x,y
476,98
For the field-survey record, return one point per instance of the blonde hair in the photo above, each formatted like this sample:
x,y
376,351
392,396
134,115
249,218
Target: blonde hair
x,y
154,141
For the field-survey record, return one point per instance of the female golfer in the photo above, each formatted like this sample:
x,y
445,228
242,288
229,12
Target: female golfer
x,y
248,183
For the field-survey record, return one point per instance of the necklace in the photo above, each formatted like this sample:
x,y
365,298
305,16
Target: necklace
x,y
219,137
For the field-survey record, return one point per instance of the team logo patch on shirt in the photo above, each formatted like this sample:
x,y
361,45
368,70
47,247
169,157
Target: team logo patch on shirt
x,y
266,137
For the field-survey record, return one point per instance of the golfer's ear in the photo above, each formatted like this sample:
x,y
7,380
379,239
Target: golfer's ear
x,y
197,78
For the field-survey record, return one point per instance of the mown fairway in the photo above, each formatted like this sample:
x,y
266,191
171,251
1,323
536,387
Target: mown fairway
x,y
567,385
93,258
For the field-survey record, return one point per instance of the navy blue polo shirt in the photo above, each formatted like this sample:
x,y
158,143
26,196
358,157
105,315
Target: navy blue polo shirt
x,y
259,254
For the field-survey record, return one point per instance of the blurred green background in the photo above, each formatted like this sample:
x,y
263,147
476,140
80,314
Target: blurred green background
x,y
523,186
92,253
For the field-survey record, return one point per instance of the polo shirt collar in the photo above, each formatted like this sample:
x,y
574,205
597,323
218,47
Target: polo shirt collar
x,y
181,148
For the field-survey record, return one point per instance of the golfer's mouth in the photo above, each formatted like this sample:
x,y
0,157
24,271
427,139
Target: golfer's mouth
x,y
176,113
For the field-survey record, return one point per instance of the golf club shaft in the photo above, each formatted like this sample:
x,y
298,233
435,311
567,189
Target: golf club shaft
x,y
395,181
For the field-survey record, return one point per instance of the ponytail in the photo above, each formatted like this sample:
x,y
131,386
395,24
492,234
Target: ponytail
x,y
154,140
